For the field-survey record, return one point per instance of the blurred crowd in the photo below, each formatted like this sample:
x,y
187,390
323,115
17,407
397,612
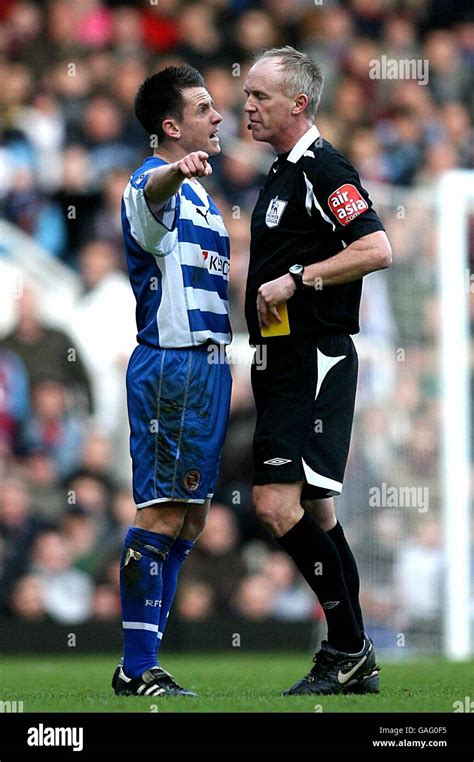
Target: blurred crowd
x,y
68,143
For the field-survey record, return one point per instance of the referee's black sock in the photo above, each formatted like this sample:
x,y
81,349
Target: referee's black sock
x,y
316,556
349,567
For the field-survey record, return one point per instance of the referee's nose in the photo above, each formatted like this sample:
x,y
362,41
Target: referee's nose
x,y
249,105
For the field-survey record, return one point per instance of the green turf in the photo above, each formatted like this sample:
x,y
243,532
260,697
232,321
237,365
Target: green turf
x,y
226,683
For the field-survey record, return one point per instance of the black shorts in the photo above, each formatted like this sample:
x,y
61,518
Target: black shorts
x,y
305,395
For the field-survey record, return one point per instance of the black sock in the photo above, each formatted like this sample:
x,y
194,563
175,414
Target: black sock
x,y
316,556
349,567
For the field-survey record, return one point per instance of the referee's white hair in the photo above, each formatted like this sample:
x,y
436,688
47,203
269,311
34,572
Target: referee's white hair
x,y
302,75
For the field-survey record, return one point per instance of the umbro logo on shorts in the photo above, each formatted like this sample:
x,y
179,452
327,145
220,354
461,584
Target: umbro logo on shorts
x,y
276,462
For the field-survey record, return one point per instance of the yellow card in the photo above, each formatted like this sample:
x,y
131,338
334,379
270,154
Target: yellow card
x,y
278,329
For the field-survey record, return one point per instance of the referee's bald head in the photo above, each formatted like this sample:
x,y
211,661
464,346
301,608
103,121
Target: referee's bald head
x,y
300,74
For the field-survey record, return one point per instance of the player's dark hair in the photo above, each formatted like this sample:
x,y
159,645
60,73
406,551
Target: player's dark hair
x,y
161,96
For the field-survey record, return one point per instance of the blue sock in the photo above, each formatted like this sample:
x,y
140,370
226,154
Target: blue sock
x,y
141,588
178,554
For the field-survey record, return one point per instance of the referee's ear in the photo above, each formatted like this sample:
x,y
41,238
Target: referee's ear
x,y
301,103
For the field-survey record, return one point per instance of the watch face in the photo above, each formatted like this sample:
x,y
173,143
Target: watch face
x,y
296,269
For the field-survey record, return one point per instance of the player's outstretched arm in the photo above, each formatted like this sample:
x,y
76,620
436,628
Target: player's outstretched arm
x,y
165,181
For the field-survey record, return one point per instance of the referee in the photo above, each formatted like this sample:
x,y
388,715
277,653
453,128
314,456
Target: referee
x,y
314,236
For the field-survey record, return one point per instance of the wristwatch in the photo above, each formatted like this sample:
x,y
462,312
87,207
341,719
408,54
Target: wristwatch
x,y
296,272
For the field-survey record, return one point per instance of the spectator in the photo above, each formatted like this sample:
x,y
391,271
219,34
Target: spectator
x,y
83,536
104,136
420,559
292,600
47,350
102,323
107,220
105,604
33,212
200,37
91,493
215,560
96,455
122,515
26,599
255,597
41,478
67,592
78,198
14,400
18,527
54,427
195,601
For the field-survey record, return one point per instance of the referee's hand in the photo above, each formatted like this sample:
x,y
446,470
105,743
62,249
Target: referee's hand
x,y
194,165
270,295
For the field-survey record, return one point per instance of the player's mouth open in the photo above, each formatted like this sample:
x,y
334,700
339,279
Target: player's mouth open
x,y
214,135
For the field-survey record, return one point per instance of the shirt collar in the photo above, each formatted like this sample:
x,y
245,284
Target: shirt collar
x,y
303,144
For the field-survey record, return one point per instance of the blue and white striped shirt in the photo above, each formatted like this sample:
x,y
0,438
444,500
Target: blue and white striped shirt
x,y
178,261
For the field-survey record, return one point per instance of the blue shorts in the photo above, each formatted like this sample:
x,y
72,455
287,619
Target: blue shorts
x,y
178,408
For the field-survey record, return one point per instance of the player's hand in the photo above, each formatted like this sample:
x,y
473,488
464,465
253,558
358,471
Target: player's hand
x,y
270,295
194,165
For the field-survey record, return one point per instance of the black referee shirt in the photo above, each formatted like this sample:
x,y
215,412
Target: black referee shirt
x,y
311,206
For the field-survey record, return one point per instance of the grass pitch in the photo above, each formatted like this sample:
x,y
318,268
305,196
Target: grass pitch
x,y
226,683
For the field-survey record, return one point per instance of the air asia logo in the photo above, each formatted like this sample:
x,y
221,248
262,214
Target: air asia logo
x,y
275,209
216,264
191,480
346,203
